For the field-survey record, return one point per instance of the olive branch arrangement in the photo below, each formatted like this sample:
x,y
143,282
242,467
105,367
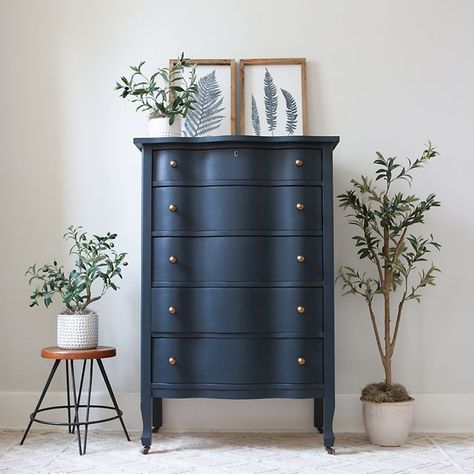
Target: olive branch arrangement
x,y
384,220
96,261
166,93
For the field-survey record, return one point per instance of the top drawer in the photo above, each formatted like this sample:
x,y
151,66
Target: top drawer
x,y
257,164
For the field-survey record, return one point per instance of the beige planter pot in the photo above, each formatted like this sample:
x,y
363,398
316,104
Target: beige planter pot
x,y
388,424
160,127
78,331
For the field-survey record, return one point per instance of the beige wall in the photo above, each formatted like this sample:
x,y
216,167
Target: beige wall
x,y
384,75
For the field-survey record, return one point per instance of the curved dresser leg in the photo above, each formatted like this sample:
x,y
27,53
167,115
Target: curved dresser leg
x,y
328,435
146,419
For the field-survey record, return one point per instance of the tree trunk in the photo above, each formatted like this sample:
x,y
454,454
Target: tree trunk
x,y
386,295
388,370
388,354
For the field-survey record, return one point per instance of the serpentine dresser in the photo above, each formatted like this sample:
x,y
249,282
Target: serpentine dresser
x,y
237,272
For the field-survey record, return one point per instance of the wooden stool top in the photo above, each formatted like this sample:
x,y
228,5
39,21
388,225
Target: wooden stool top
x,y
101,352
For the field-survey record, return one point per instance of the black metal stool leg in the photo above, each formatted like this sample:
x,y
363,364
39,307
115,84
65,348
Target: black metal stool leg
x,y
80,390
76,408
40,401
86,426
69,428
112,396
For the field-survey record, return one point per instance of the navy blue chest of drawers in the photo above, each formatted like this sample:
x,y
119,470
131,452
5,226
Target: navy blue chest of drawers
x,y
237,272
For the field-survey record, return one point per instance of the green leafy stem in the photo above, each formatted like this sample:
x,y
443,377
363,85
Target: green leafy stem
x,y
166,93
383,220
97,266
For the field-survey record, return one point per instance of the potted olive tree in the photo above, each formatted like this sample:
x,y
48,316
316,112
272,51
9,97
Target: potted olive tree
x,y
97,266
384,220
166,95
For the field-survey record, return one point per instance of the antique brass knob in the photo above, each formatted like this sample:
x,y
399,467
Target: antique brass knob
x,y
300,206
172,361
172,310
173,164
300,309
301,361
299,163
173,259
173,207
300,258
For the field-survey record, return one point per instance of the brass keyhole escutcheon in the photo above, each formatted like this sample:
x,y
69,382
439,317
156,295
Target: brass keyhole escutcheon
x,y
236,153
301,361
300,258
172,361
173,259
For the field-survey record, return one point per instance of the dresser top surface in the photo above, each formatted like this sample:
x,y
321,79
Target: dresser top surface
x,y
232,140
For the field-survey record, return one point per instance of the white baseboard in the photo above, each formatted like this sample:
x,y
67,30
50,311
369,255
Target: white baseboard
x,y
447,413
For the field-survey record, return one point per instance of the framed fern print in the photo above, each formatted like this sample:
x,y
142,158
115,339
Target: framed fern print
x,y
273,96
214,110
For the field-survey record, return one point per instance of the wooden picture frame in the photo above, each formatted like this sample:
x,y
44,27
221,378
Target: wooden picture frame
x,y
253,103
226,102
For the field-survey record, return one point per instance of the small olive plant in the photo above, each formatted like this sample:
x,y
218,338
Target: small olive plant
x,y
384,219
166,93
96,266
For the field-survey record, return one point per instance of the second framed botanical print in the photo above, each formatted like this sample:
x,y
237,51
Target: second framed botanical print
x,y
214,110
273,97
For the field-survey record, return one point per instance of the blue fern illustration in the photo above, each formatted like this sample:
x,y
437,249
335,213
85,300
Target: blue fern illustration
x,y
271,101
206,114
255,117
291,112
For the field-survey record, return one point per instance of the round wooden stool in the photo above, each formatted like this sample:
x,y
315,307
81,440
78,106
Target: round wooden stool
x,y
101,352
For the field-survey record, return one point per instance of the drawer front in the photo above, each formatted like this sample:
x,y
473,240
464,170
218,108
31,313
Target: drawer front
x,y
237,163
236,361
237,208
237,259
237,310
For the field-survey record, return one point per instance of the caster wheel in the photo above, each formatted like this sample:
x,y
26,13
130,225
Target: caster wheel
x,y
145,449
320,429
330,450
155,429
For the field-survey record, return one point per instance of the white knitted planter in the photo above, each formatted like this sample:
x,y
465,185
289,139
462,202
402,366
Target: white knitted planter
x,y
78,331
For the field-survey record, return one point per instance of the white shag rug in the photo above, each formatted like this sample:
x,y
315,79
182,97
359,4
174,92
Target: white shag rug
x,y
209,453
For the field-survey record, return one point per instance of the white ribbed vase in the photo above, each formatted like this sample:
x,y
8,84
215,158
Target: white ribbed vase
x,y
160,127
78,331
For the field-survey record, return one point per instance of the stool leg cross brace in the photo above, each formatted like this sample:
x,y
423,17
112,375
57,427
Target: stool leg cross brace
x,y
76,423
